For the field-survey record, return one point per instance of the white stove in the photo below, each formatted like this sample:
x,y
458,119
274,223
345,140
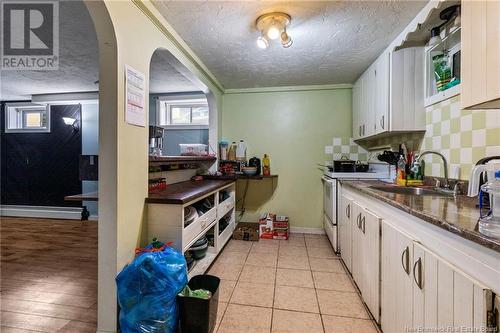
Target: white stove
x,y
330,194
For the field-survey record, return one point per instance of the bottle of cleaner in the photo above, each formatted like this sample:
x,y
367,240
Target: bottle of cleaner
x,y
266,165
401,173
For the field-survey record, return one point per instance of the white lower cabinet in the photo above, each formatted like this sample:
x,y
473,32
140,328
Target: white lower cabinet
x,y
422,291
366,256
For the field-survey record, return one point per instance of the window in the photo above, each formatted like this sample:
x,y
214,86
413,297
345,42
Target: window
x,y
183,113
27,117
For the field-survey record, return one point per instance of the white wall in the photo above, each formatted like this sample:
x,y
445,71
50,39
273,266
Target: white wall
x,y
90,146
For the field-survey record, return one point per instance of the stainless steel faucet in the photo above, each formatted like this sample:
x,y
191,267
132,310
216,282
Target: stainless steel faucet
x,y
446,184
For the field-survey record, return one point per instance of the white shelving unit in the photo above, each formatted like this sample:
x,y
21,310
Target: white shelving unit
x,y
166,222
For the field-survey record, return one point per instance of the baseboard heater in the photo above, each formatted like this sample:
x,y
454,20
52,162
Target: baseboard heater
x,y
70,213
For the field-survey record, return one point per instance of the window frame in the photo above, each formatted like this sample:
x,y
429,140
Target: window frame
x,y
164,107
22,109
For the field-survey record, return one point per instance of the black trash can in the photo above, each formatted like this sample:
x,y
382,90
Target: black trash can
x,y
199,315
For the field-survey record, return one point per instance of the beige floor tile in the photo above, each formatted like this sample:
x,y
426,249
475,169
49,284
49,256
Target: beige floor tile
x,y
295,298
315,236
226,271
318,242
221,308
327,265
262,259
231,257
238,246
294,240
296,322
334,324
267,248
258,274
258,294
294,278
245,319
321,252
292,251
333,281
293,262
226,288
341,304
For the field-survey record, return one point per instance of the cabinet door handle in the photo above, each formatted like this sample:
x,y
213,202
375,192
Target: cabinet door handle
x,y
363,129
348,211
418,277
382,121
363,224
359,130
405,260
358,221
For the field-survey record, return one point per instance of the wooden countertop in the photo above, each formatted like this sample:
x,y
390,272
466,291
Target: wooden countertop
x,y
184,192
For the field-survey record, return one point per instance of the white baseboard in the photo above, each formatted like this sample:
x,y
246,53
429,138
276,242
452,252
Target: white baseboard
x,y
301,230
93,218
69,213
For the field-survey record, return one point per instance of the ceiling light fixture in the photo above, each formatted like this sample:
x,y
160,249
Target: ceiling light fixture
x,y
262,42
273,26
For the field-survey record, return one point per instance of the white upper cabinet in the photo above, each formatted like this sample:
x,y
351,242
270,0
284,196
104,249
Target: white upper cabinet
x,y
389,95
480,64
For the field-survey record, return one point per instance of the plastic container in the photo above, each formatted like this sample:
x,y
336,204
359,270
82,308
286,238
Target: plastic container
x,y
489,224
223,149
193,149
241,151
199,315
231,155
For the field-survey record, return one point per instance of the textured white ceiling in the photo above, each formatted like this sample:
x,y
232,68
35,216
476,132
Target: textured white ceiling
x,y
79,64
334,41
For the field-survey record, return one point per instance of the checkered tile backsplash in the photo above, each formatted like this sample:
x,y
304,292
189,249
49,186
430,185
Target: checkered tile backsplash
x,y
462,136
347,147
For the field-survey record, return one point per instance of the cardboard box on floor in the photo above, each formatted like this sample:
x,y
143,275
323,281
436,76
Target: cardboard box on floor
x,y
246,231
273,227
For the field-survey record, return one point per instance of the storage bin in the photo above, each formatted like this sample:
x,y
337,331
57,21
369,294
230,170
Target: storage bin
x,y
199,315
193,149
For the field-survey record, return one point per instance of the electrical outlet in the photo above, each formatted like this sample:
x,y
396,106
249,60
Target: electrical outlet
x,y
328,150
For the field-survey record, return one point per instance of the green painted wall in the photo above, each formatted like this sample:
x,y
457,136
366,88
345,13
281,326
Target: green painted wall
x,y
293,128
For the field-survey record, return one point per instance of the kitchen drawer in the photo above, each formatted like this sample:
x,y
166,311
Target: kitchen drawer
x,y
225,206
199,225
331,231
226,234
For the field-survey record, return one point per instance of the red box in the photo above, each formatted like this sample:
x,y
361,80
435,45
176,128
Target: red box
x,y
266,222
280,227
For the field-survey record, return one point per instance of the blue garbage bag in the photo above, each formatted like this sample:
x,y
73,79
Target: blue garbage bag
x,y
147,290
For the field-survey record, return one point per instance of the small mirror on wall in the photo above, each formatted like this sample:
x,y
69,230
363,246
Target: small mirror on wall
x,y
27,117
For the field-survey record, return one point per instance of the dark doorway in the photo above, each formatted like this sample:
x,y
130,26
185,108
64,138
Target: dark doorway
x,y
39,169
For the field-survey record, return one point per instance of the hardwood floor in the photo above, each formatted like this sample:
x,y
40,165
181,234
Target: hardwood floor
x,y
48,275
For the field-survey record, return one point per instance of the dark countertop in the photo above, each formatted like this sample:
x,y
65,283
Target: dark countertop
x,y
183,192
180,159
457,215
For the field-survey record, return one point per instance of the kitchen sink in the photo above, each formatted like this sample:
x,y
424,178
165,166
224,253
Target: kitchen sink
x,y
410,190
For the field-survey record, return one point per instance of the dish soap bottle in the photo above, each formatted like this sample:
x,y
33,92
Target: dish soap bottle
x,y
401,173
266,165
417,172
